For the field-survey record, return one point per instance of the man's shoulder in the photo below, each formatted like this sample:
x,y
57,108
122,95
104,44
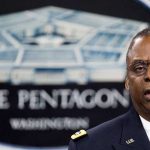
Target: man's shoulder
x,y
102,135
111,126
106,134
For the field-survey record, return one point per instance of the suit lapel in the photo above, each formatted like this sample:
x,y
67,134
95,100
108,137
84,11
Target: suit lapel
x,y
133,134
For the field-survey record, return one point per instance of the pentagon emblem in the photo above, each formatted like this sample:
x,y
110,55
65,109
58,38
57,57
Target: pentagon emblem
x,y
78,134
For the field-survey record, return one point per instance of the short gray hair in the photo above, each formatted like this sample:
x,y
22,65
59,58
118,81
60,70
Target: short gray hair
x,y
142,33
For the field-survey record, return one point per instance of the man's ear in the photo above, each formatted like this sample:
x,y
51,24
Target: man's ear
x,y
127,83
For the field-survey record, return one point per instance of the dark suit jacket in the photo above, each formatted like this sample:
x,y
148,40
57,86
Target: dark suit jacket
x,y
115,135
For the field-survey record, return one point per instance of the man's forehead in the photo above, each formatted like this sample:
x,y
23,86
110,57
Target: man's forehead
x,y
139,49
138,58
140,46
140,41
141,59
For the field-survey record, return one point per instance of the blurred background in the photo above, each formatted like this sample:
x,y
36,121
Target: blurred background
x,y
62,67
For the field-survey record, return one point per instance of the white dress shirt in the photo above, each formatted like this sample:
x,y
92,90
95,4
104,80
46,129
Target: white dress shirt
x,y
146,125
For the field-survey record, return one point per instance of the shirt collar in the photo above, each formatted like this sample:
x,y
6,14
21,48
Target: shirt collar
x,y
146,124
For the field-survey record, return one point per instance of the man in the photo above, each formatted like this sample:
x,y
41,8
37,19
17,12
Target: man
x,y
130,131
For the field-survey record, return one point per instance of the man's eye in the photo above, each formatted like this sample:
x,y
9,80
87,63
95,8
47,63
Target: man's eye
x,y
139,69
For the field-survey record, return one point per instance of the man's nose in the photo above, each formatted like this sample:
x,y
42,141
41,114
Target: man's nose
x,y
147,75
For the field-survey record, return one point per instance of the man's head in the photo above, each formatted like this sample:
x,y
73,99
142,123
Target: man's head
x,y
138,72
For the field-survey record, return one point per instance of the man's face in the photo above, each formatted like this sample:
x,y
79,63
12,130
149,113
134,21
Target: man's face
x,y
138,75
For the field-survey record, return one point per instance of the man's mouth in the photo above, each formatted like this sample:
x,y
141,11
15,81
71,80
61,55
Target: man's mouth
x,y
147,94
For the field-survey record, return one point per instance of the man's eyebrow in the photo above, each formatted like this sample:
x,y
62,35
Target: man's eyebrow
x,y
138,60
